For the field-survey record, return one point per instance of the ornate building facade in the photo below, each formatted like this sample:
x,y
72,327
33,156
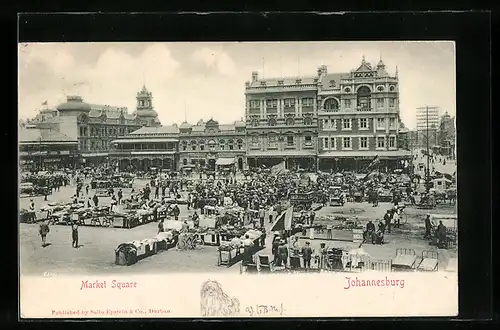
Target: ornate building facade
x,y
203,145
95,126
358,118
281,121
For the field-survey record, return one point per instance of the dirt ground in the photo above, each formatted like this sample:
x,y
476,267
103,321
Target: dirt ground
x,y
96,253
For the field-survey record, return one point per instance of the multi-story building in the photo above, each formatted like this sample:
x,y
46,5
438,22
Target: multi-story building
x,y
42,149
281,121
446,135
95,126
204,145
359,117
427,126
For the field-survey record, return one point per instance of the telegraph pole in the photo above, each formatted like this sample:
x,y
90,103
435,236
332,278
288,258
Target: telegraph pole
x,y
427,178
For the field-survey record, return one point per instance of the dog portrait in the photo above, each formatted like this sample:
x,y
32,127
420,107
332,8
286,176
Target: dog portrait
x,y
214,302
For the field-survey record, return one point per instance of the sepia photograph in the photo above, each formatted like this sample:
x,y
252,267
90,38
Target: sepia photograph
x,y
331,159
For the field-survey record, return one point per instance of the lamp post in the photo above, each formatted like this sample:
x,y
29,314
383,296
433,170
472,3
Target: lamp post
x,y
427,178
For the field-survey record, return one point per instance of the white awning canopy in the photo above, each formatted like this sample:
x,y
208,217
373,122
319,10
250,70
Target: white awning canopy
x,y
225,161
147,140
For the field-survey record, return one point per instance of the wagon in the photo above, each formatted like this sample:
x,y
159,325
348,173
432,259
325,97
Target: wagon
x,y
302,201
337,198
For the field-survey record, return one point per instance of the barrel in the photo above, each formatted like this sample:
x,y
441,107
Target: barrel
x,y
357,235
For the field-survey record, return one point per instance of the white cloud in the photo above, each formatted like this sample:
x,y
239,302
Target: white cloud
x,y
215,59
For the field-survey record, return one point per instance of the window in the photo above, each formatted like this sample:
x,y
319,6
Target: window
x,y
380,103
363,142
184,146
346,124
272,122
347,90
307,102
272,142
193,145
289,141
255,141
392,102
231,144
392,142
273,103
380,142
392,88
308,121
290,121
331,105
255,122
211,145
184,161
193,161
289,103
254,104
240,144
347,104
363,123
326,123
202,145
332,143
325,143
392,122
380,123
346,143
308,140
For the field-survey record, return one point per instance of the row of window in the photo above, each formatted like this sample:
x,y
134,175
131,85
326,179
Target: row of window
x,y
212,145
329,143
332,105
272,141
363,123
289,122
110,131
287,103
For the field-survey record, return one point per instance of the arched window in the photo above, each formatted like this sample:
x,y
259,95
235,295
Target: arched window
x,y
222,144
202,145
331,105
193,145
272,122
230,144
184,161
290,121
211,145
255,122
364,98
308,121
240,144
272,141
184,145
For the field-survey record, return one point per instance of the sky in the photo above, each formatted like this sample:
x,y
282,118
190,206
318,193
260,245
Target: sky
x,y
207,80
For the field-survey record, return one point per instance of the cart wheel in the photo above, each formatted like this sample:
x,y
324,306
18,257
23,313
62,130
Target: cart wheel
x,y
198,243
181,245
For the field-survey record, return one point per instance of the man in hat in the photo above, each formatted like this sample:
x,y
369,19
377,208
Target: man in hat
x,y
307,255
428,227
43,231
283,252
74,234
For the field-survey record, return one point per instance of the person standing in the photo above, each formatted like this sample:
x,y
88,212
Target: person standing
x,y
441,234
161,228
387,219
74,234
271,210
262,214
428,227
283,253
307,255
396,218
120,196
96,200
87,190
32,216
157,192
43,231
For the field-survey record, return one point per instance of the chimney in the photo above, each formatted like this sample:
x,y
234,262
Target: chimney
x,y
247,83
255,76
324,69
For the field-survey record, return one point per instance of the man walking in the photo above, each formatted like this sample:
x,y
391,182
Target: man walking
x,y
74,234
120,196
43,231
388,218
262,214
428,227
307,255
283,253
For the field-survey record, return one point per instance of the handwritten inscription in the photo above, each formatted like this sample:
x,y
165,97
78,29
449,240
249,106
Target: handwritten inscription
x,y
263,310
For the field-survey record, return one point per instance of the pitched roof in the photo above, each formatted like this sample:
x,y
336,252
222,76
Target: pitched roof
x,y
44,135
157,130
328,78
286,81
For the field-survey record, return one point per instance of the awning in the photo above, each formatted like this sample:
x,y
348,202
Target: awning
x,y
102,154
361,153
225,161
145,140
284,221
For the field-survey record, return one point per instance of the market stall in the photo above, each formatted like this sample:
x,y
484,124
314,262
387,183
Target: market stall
x,y
237,248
